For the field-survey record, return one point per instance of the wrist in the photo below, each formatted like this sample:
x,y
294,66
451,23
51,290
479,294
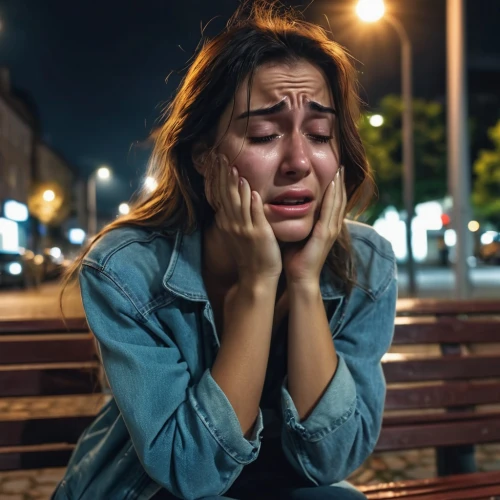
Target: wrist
x,y
304,289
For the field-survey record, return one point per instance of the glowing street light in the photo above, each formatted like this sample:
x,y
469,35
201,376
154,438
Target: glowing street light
x,y
124,209
376,120
102,173
473,226
370,11
150,184
49,195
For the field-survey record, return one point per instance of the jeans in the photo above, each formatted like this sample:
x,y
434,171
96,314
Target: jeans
x,y
271,477
311,493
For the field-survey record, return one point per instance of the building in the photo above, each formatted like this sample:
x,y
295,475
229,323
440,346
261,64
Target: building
x,y
18,132
38,186
53,199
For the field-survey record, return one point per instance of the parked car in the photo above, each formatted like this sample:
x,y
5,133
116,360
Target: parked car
x,y
490,253
12,269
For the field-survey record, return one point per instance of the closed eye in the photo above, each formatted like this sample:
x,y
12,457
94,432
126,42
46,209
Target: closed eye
x,y
266,138
322,139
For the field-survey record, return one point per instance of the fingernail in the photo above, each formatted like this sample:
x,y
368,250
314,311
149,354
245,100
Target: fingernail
x,y
234,171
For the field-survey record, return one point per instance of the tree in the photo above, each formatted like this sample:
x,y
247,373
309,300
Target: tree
x,y
384,151
486,192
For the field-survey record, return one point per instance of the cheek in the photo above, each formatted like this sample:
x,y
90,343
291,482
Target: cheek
x,y
256,168
327,165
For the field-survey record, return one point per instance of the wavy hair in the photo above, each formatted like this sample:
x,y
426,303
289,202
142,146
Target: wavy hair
x,y
259,32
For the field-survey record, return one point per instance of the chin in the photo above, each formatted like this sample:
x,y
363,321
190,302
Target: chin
x,y
292,231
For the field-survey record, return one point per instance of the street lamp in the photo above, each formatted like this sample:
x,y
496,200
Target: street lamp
x,y
102,173
371,11
124,208
376,120
49,195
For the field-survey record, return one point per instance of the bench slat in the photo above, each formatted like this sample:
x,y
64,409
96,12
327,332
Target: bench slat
x,y
434,418
426,488
46,381
446,395
474,492
411,369
405,437
439,307
35,457
53,325
445,330
46,349
43,430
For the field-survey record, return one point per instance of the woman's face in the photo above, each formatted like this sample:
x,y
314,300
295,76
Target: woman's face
x,y
290,146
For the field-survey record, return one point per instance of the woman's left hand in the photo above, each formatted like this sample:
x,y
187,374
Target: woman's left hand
x,y
303,261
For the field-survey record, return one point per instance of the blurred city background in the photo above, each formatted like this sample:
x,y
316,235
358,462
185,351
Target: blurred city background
x,y
82,87
81,91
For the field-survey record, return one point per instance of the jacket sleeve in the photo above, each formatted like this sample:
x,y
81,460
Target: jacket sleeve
x,y
343,428
186,433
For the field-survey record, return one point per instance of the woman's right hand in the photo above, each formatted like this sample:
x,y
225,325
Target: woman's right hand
x,y
240,217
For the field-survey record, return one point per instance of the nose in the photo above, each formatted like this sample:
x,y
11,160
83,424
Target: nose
x,y
296,162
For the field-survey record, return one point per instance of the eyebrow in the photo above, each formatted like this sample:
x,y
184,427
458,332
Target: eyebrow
x,y
314,106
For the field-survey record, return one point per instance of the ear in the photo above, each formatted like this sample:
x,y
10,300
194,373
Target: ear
x,y
201,155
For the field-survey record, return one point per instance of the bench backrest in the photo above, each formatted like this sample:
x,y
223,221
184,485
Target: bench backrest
x,y
40,357
45,358
432,398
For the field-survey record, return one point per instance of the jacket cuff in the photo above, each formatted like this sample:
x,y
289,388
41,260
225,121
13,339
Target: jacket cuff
x,y
218,415
333,409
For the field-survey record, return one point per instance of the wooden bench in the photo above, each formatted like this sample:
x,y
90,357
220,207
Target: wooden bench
x,y
440,400
449,387
41,361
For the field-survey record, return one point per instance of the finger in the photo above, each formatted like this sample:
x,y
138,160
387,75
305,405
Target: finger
x,y
327,205
258,216
341,214
337,200
233,195
246,202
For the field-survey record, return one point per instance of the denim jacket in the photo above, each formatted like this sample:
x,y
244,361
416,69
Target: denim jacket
x,y
168,424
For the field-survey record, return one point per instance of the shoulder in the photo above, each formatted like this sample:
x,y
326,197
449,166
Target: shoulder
x,y
126,246
135,259
374,259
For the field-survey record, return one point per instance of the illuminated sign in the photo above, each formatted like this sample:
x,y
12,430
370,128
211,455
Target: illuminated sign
x,y
15,211
76,236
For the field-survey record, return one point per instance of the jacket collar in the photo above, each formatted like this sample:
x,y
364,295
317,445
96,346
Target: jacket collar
x,y
184,273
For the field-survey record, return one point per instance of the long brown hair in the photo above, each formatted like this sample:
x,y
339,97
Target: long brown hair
x,y
259,32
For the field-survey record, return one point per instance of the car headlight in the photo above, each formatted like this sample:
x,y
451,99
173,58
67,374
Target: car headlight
x,y
15,268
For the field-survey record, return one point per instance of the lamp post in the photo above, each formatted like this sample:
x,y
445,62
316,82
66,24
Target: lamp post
x,y
101,173
458,141
371,11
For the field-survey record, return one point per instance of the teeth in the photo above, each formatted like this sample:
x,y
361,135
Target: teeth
x,y
290,201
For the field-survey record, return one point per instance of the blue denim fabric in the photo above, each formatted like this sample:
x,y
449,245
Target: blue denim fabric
x,y
169,425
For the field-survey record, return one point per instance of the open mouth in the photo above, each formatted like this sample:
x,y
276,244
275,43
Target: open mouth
x,y
292,201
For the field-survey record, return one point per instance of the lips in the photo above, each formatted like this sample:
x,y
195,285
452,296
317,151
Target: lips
x,y
293,197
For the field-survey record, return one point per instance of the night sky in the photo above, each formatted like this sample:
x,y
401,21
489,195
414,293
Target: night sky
x,y
97,69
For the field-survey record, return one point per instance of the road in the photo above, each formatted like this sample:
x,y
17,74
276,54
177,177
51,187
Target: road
x,y
439,282
432,282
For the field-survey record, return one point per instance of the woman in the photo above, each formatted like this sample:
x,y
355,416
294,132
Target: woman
x,y
215,301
